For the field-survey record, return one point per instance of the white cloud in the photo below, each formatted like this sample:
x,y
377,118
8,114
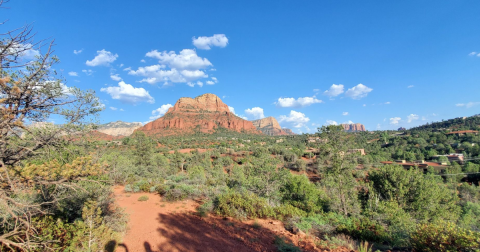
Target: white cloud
x,y
412,117
143,61
115,77
395,120
359,91
113,108
157,113
87,72
331,122
231,109
364,105
73,73
410,86
210,82
186,59
25,52
348,122
316,90
472,54
206,43
467,105
103,58
297,119
334,90
345,113
255,113
128,94
78,51
213,69
173,68
387,102
297,103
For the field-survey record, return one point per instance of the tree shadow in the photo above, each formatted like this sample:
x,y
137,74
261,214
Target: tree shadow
x,y
189,232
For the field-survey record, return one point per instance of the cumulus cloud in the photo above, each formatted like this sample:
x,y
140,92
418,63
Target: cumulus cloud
x,y
395,120
255,113
231,109
297,119
128,94
184,67
412,117
25,52
73,73
387,102
157,113
103,58
359,91
77,51
345,113
297,103
472,54
348,122
334,90
467,105
331,122
410,86
115,77
205,43
113,108
87,72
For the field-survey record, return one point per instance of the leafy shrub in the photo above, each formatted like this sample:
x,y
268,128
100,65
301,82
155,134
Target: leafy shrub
x,y
299,192
128,188
179,192
162,189
284,246
444,236
143,198
238,205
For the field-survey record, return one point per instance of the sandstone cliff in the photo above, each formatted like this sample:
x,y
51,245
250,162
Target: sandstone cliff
x,y
204,114
354,127
269,126
119,128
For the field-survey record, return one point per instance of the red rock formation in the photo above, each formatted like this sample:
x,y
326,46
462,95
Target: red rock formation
x,y
354,127
269,126
203,114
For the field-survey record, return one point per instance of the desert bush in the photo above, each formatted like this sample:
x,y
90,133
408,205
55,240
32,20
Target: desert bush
x,y
143,198
444,236
299,192
179,192
284,246
241,205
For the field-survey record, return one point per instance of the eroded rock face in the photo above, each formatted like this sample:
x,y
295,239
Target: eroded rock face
x,y
269,126
204,114
119,128
354,127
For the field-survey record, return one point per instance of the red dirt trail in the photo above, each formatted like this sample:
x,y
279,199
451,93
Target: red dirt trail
x,y
156,226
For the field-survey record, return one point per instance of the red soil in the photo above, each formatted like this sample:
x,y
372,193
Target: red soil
x,y
174,226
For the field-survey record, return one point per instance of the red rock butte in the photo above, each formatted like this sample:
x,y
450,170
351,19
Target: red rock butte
x,y
204,114
354,127
269,126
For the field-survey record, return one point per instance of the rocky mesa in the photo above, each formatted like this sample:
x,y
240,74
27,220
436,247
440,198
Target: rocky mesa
x,y
353,127
119,128
204,114
270,126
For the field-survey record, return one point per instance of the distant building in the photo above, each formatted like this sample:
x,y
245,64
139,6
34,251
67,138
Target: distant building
x,y
361,151
463,132
316,140
453,157
439,167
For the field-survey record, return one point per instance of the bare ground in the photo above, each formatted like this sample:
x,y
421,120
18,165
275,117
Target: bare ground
x,y
155,226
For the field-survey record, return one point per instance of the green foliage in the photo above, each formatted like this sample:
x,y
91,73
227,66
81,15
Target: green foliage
x,y
179,192
242,205
284,246
143,198
299,192
424,197
444,236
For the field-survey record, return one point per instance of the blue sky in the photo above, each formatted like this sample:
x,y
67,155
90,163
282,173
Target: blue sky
x,y
393,63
